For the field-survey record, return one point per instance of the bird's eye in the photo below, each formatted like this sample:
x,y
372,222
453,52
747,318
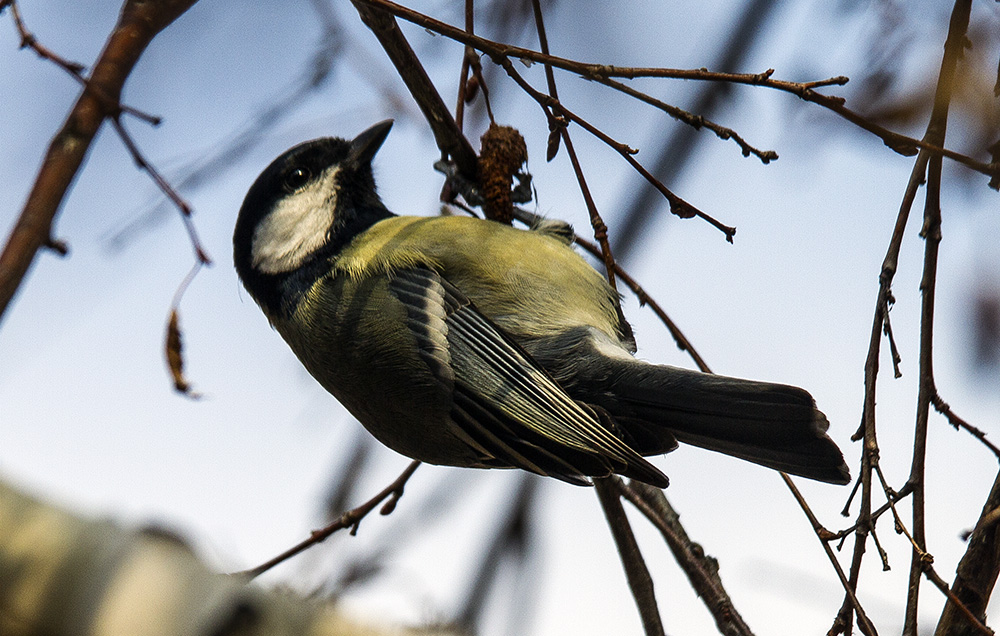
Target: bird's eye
x,y
297,178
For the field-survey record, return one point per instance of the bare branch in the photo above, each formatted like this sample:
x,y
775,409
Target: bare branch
x,y
74,69
639,580
943,408
447,133
350,519
931,231
824,536
598,72
138,24
976,573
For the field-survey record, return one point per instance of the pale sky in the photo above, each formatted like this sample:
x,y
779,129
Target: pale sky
x,y
88,417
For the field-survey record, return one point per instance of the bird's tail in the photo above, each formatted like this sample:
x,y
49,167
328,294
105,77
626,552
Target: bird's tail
x,y
774,425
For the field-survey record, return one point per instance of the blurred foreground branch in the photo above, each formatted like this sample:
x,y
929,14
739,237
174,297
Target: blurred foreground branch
x,y
66,575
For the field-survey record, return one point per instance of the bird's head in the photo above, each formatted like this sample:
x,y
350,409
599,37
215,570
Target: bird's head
x,y
304,207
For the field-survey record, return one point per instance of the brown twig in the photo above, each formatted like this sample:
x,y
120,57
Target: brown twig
x,y
447,134
867,431
185,209
138,23
639,580
695,121
608,489
678,206
927,567
463,78
645,299
596,222
849,587
893,350
74,69
943,408
931,231
599,72
350,519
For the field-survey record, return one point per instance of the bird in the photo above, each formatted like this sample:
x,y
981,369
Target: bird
x,y
466,342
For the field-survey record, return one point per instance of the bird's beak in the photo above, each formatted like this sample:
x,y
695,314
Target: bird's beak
x,y
365,145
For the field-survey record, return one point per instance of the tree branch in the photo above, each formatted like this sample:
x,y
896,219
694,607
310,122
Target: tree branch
x,y
931,231
639,580
977,571
446,132
601,72
702,570
138,24
350,519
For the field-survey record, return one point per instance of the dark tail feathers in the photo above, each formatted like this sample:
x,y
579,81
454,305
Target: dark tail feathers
x,y
774,425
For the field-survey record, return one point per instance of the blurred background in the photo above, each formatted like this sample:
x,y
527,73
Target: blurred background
x,y
89,419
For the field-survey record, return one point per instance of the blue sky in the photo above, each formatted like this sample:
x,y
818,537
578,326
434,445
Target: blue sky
x,y
88,417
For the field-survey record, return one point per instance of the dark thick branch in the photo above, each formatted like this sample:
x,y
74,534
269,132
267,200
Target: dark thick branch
x,y
446,132
976,573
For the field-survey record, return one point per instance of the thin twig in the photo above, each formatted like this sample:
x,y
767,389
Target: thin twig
x,y
695,121
702,570
596,222
446,132
350,519
639,580
678,206
931,231
463,78
943,408
867,430
927,561
165,188
893,350
823,534
137,25
598,72
74,69
645,299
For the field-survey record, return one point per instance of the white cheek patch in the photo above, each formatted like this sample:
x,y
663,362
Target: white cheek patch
x,y
296,227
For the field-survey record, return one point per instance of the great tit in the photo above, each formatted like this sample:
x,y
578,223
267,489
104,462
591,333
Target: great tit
x,y
465,342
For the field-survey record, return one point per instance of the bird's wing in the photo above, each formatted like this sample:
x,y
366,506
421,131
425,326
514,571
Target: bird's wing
x,y
502,399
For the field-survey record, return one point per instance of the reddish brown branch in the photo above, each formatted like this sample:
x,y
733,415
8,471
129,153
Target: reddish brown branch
x,y
138,24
